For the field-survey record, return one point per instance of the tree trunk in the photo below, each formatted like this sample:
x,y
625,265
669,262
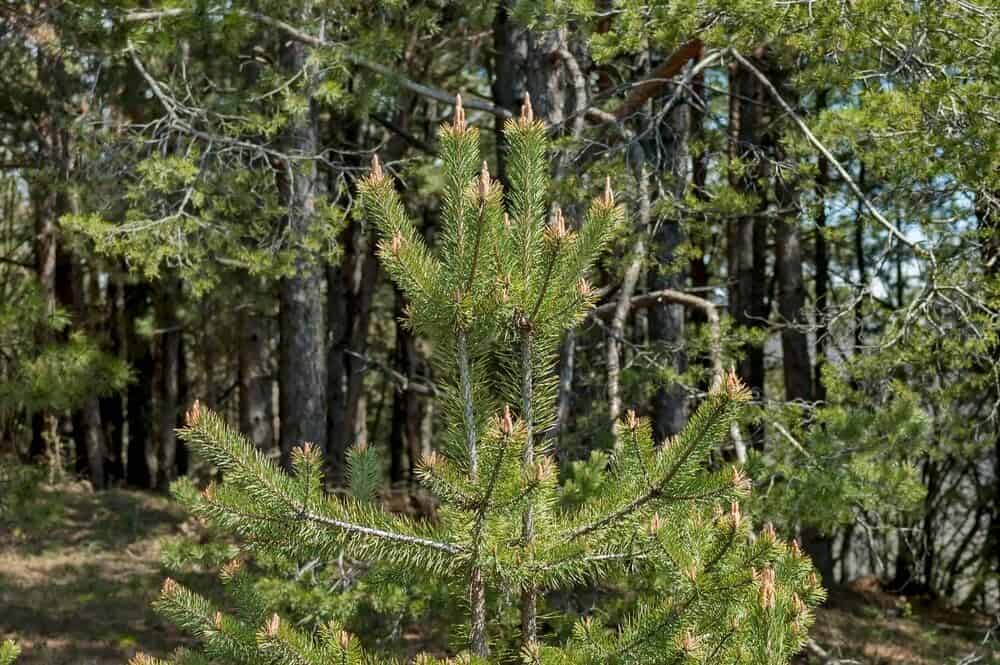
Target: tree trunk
x,y
666,320
510,49
350,289
112,406
821,259
747,235
256,387
168,386
797,367
140,463
302,373
401,395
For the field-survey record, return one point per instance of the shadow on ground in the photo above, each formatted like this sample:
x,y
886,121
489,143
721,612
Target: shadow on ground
x,y
78,572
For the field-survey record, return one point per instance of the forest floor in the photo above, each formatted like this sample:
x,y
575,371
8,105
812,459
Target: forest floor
x,y
79,570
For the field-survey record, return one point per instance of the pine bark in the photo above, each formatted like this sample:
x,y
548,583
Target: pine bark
x,y
350,289
747,235
140,461
168,384
302,372
666,320
256,385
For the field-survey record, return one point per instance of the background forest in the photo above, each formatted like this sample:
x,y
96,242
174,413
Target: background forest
x,y
810,196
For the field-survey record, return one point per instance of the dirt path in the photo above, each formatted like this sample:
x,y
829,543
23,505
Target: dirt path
x,y
78,572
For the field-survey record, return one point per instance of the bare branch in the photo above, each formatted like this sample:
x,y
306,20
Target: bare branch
x,y
892,228
291,31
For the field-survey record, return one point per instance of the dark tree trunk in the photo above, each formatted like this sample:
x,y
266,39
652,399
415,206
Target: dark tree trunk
x,y
256,385
821,259
797,367
350,289
302,373
747,235
140,463
401,363
112,406
666,321
168,386
45,208
510,49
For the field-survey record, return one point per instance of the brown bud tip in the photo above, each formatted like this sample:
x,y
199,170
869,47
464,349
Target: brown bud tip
x,y
735,515
232,569
741,483
209,492
272,626
544,469
797,604
736,390
344,638
631,420
688,642
430,460
506,221
193,414
584,288
766,579
484,180
506,421
459,121
308,449
557,230
396,243
169,587
527,113
217,620
796,548
769,533
376,172
655,524
608,198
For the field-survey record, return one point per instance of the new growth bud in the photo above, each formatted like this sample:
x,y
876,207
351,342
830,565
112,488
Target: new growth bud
x,y
169,587
272,626
459,121
506,422
608,197
557,231
584,288
193,414
527,113
688,642
766,580
735,515
655,524
484,181
217,620
768,533
396,243
631,420
344,638
376,172
736,390
741,483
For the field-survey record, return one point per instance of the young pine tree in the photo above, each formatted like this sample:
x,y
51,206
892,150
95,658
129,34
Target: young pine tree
x,y
507,279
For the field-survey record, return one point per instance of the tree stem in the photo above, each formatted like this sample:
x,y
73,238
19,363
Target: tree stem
x,y
529,595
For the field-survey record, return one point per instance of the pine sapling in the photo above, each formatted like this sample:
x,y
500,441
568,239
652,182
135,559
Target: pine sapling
x,y
504,284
